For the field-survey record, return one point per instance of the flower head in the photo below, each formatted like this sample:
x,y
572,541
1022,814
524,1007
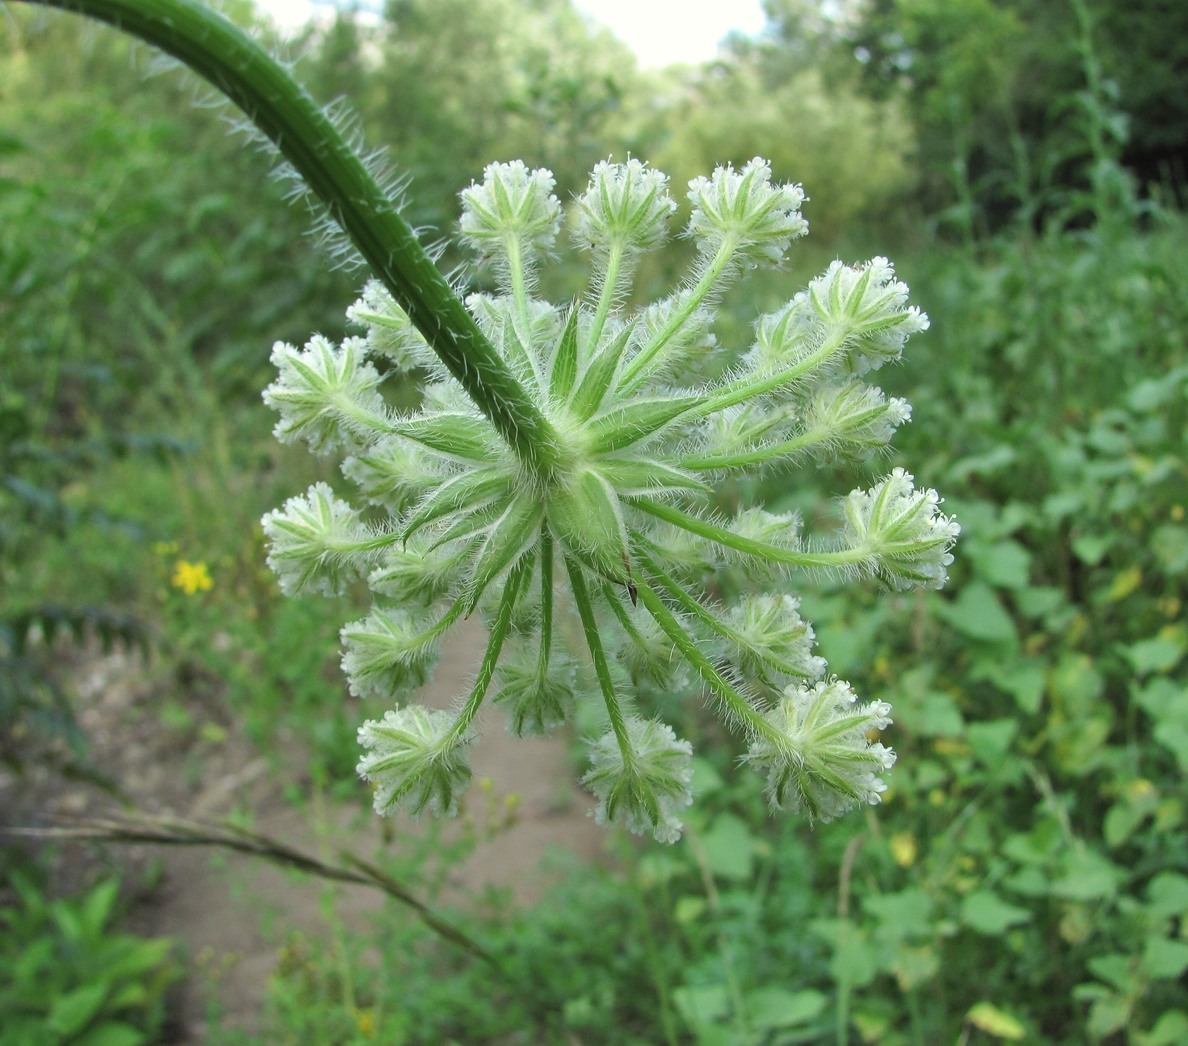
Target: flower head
x,y
645,420
641,783
416,760
816,753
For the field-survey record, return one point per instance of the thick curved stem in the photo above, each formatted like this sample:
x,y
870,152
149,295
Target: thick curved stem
x,y
276,104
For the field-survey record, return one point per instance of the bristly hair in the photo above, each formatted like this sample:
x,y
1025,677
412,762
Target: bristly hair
x,y
324,228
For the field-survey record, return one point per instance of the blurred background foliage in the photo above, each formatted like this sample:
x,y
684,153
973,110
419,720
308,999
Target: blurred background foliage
x,y
1023,161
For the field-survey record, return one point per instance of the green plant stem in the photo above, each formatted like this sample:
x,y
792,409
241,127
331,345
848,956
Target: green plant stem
x,y
581,596
276,104
733,701
499,628
633,373
175,831
846,557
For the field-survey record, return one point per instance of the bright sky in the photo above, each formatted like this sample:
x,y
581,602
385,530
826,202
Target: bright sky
x,y
659,31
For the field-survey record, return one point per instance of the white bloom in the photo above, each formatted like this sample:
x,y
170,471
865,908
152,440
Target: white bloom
x,y
818,759
415,761
643,787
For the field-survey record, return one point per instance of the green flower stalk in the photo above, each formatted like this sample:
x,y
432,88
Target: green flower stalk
x,y
624,531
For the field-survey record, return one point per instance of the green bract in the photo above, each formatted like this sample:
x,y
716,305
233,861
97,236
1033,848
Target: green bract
x,y
623,529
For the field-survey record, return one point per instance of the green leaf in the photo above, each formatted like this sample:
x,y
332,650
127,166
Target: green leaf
x,y
1158,654
644,476
991,741
938,716
729,848
977,613
986,912
70,1013
989,1018
595,380
780,1008
113,1033
1167,895
512,535
97,907
1089,877
1170,545
634,421
1164,958
1023,679
702,1004
1004,564
1170,1030
469,491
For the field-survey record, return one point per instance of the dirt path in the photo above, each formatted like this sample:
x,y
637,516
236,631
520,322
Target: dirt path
x,y
231,913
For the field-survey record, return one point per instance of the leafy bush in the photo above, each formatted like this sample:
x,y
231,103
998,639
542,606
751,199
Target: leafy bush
x,y
67,976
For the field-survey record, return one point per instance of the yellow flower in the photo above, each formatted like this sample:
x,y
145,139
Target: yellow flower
x,y
365,1022
191,577
903,849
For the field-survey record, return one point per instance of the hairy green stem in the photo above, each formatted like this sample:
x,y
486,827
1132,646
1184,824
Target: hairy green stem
x,y
276,104
845,557
614,710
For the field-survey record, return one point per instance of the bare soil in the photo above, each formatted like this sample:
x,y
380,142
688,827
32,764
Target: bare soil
x,y
231,913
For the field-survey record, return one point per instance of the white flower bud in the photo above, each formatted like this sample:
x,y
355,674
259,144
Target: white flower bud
x,y
324,395
317,543
390,333
744,209
818,759
643,788
388,652
854,420
626,203
870,306
414,761
513,202
902,532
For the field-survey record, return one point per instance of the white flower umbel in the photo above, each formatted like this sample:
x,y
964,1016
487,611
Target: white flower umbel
x,y
615,517
817,755
416,760
642,778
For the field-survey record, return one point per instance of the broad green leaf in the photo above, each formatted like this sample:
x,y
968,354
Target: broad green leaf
x,y
702,1003
1004,564
1170,1030
780,1008
729,848
1089,876
938,716
72,1012
1023,679
1167,895
977,613
986,912
991,741
1164,958
112,1033
1160,653
1170,545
